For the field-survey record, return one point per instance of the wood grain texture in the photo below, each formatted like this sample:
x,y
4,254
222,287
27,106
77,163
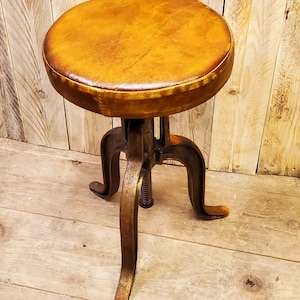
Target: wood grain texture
x,y
42,110
217,5
85,128
11,125
58,229
82,266
280,153
240,108
59,7
9,291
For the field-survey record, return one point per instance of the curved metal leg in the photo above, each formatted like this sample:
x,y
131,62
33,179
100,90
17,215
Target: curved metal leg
x,y
128,209
184,150
136,138
112,144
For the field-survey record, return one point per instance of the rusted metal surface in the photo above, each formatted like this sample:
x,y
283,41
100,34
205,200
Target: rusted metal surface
x,y
129,207
143,150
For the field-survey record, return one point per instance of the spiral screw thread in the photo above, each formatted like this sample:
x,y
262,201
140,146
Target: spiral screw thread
x,y
146,200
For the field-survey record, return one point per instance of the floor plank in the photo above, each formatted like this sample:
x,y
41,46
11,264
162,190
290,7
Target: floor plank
x,y
52,226
172,269
83,260
10,291
60,256
272,207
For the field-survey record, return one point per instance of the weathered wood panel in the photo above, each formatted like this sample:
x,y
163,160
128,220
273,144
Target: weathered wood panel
x,y
59,7
42,111
58,229
240,109
83,261
8,291
280,152
10,116
217,5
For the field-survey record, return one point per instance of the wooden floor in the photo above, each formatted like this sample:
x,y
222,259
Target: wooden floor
x,y
59,241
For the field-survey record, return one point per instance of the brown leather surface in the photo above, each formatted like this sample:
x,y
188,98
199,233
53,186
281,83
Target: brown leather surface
x,y
141,58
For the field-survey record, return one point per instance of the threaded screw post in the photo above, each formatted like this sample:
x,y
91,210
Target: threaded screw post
x,y
146,200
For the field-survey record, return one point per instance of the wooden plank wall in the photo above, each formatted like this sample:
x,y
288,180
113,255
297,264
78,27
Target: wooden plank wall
x,y
282,126
251,126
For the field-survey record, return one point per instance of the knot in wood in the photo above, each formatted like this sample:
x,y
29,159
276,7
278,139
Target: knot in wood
x,y
294,224
251,283
233,91
41,94
76,162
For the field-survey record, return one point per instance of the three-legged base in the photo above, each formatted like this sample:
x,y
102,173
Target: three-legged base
x,y
143,150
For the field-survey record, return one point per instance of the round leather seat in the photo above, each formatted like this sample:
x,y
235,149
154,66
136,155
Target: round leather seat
x,y
139,59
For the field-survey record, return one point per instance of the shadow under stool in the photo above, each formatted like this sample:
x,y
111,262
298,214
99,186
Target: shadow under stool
x,y
140,59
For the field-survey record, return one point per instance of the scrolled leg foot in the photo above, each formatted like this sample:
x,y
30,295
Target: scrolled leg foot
x,y
112,144
184,150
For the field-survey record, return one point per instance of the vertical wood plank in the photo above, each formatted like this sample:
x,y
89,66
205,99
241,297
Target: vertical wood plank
x,y
85,128
217,5
240,108
280,153
11,125
42,110
238,16
59,7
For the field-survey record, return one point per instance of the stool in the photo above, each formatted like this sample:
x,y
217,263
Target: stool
x,y
140,59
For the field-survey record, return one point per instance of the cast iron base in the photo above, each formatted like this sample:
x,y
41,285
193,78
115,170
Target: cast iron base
x,y
143,150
